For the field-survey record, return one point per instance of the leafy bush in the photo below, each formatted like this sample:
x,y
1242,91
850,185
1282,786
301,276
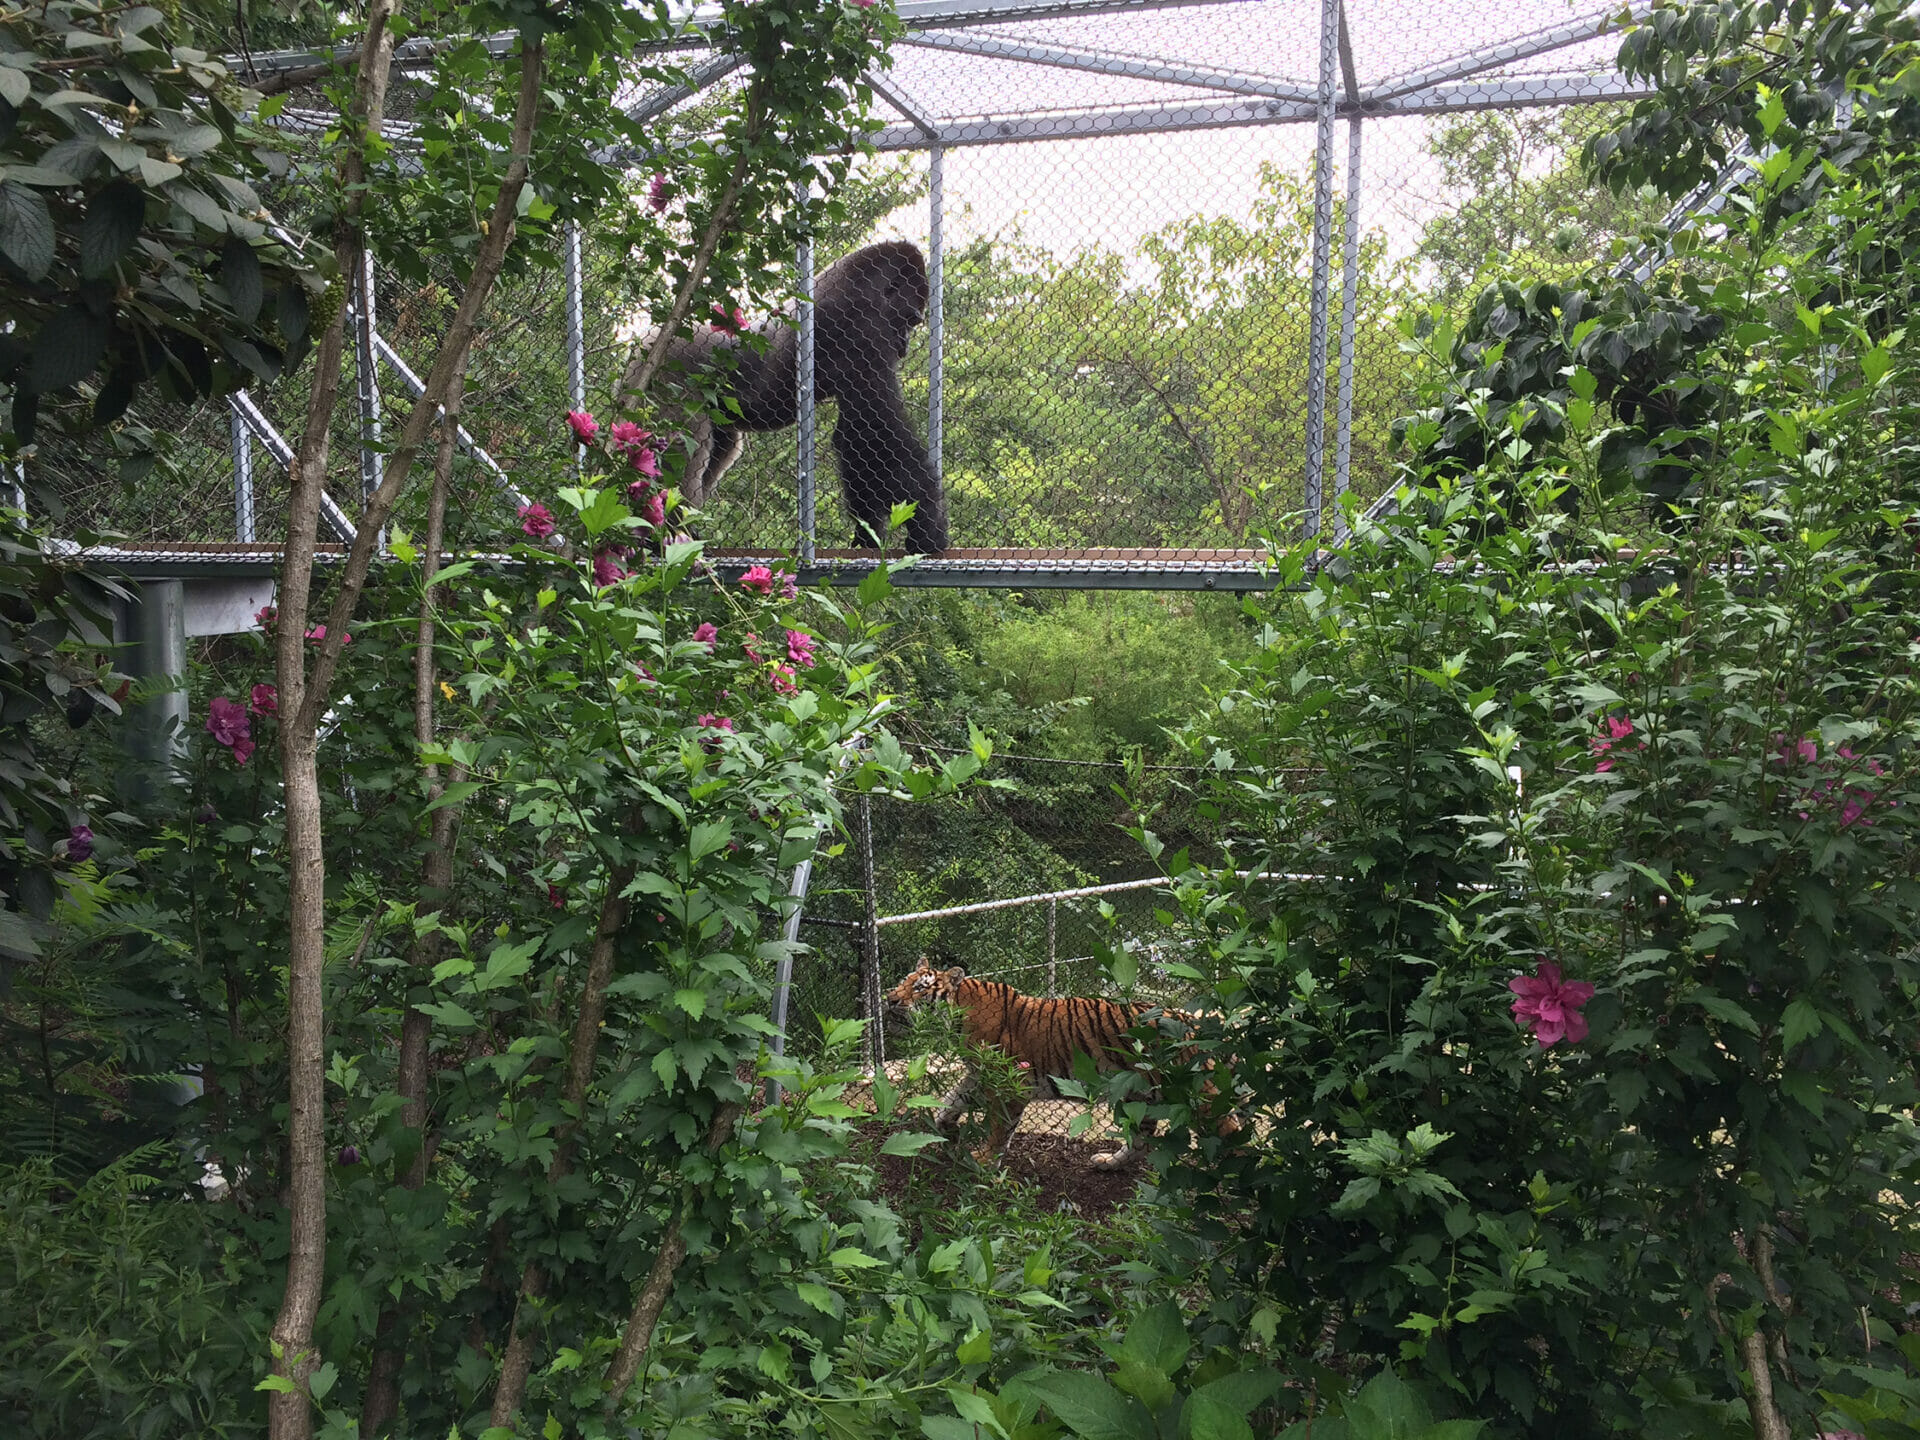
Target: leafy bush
x,y
1617,733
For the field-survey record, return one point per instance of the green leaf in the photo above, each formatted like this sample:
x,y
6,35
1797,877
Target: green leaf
x,y
694,1002
1205,1418
850,1259
709,836
67,349
818,1296
1157,1337
1149,1384
976,1349
14,87
976,1409
240,273
948,1427
901,1143
322,1380
1090,1407
1390,1409
26,230
1800,1022
1726,1011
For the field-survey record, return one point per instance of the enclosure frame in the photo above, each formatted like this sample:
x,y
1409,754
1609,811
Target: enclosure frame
x,y
1224,99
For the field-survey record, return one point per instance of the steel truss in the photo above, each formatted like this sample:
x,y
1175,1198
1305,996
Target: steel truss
x,y
1213,97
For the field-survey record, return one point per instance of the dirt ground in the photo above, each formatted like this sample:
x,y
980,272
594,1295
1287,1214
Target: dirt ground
x,y
1060,1170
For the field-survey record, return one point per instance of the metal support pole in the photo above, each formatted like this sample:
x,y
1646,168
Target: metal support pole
x,y
576,328
783,971
803,283
157,735
367,380
1322,267
936,313
1349,304
1053,947
870,944
242,439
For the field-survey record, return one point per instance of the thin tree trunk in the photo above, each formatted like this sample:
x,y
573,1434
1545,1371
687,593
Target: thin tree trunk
x,y
382,1402
582,1050
304,697
289,1412
717,225
652,1299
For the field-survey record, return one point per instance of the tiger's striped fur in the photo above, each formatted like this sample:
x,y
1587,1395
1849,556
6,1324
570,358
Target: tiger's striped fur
x,y
1047,1034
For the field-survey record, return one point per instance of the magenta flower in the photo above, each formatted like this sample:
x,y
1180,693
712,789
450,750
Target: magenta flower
x,y
266,701
607,569
349,1154
716,722
80,843
800,649
265,616
706,634
1804,750
645,461
758,579
652,508
319,632
782,678
585,427
627,437
554,898
657,194
729,319
228,724
751,645
1618,729
1549,1006
789,587
536,520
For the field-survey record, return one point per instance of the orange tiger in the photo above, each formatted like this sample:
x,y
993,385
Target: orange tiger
x,y
1046,1034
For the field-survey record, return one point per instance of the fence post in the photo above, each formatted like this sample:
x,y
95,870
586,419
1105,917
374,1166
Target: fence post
x,y
576,328
1349,305
870,988
1322,267
936,314
242,441
1053,950
803,282
783,971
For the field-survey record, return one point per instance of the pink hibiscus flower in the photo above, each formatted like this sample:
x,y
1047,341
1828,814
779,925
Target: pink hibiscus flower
x,y
706,633
1549,1006
266,700
758,579
585,427
800,649
228,724
536,520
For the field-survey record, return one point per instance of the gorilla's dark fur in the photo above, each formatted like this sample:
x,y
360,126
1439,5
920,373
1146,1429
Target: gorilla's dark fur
x,y
865,308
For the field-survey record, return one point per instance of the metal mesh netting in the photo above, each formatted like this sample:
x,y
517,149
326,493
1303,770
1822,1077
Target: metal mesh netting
x,y
1156,324
1054,826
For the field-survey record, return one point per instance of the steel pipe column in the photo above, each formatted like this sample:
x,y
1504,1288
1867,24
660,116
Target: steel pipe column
x,y
1322,268
156,734
936,326
803,283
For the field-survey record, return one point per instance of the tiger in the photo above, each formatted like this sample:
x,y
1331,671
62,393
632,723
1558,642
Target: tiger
x,y
1044,1034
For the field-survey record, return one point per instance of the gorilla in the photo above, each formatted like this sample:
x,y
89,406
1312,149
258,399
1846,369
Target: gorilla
x,y
865,307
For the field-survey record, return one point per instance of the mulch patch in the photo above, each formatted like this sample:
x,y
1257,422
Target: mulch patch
x,y
1059,1170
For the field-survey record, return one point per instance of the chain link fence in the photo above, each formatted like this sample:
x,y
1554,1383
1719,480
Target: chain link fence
x,y
1172,264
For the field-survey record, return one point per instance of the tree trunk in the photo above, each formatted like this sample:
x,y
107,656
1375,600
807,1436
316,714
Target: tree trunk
x,y
382,1402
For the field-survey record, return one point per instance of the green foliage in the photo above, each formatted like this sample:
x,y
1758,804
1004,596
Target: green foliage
x,y
1158,1389
1678,780
132,233
121,1317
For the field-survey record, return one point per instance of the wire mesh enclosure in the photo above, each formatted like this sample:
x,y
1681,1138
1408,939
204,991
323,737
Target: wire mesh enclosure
x,y
1024,882
1149,269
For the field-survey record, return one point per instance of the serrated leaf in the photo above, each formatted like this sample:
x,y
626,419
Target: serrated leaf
x,y
26,230
1800,1022
1090,1407
67,349
113,220
818,1296
847,1258
976,1349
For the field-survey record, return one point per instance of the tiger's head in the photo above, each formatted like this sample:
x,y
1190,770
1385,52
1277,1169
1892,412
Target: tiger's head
x,y
923,985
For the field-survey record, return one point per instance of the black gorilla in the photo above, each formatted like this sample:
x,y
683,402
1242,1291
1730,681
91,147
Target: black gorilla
x,y
865,307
